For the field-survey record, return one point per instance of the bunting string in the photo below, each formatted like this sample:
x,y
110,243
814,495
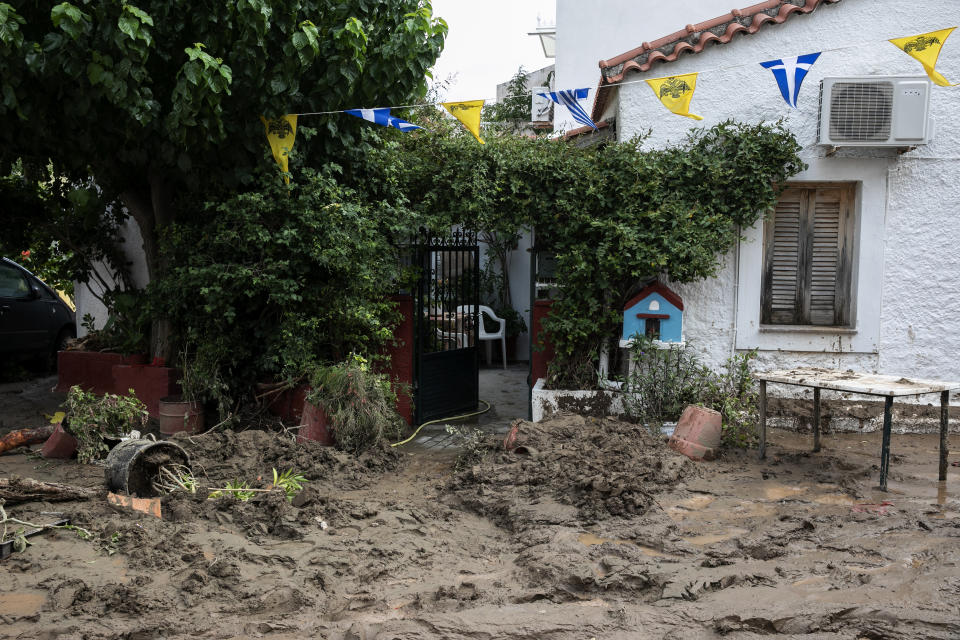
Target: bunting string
x,y
675,92
421,105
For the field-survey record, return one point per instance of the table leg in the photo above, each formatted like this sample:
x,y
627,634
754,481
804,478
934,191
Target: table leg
x,y
816,419
763,419
885,447
944,425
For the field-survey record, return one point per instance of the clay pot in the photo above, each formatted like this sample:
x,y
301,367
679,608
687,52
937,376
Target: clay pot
x,y
315,425
178,415
697,435
60,444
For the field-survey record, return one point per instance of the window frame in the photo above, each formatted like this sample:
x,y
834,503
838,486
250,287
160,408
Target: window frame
x,y
843,320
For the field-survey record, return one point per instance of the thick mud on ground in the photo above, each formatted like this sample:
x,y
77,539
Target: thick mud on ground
x,y
592,529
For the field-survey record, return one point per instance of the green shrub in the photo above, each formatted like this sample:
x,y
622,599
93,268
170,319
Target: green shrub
x,y
91,419
358,402
272,282
665,378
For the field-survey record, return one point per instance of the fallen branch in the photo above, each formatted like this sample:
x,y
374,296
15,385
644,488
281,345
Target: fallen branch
x,y
25,490
24,437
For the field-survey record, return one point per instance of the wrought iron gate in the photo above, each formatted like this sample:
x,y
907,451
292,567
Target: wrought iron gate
x,y
447,361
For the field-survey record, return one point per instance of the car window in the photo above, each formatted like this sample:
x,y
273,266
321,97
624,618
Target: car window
x,y
12,283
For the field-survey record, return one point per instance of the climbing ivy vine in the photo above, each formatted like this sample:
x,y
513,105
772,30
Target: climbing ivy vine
x,y
615,216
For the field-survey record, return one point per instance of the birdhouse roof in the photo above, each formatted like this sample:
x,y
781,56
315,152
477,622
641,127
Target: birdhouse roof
x,y
656,287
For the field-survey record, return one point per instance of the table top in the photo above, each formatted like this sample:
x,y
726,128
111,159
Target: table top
x,y
857,382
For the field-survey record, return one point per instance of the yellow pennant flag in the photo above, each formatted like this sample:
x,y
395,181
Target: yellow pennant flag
x,y
281,133
467,112
675,92
926,49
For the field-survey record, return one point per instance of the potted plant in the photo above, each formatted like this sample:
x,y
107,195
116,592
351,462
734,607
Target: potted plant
x,y
184,412
95,421
351,406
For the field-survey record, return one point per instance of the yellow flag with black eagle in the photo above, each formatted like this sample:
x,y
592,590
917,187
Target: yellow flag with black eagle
x,y
676,92
925,48
467,112
281,133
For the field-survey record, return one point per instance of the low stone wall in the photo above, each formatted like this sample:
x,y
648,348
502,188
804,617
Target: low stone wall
x,y
853,416
547,402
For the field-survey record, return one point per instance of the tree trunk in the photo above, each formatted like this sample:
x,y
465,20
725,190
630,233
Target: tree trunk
x,y
152,207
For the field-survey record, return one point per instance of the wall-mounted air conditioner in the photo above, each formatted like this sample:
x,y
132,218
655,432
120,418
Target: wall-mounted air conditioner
x,y
875,111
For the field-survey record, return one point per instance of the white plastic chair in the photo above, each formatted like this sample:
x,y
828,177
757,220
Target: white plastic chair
x,y
483,334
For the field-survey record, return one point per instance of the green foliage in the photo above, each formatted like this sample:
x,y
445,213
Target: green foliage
x,y
269,283
59,231
615,216
472,446
91,418
358,402
662,382
172,89
515,107
290,481
236,489
735,394
665,378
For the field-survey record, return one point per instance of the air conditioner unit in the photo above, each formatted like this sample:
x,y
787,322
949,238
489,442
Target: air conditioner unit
x,y
875,111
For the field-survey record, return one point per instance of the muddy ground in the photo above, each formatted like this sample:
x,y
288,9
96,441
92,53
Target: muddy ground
x,y
593,529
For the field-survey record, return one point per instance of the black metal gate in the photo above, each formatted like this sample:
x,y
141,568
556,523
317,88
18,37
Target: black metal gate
x,y
447,360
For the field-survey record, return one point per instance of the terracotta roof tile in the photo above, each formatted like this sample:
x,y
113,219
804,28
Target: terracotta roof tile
x,y
694,39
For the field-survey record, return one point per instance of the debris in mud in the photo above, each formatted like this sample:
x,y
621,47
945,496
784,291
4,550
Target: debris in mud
x,y
603,467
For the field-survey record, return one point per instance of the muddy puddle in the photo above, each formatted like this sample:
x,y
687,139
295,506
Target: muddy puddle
x,y
602,533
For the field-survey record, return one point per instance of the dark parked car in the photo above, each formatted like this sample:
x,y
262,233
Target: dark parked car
x,y
34,321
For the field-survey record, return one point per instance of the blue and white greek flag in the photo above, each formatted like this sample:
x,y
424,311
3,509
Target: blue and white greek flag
x,y
790,73
382,117
569,98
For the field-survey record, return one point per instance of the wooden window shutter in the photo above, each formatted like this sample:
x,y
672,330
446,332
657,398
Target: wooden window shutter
x,y
808,256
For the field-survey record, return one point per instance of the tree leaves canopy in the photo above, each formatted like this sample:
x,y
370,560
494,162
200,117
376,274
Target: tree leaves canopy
x,y
177,87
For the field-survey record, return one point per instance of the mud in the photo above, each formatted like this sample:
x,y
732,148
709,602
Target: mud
x,y
597,531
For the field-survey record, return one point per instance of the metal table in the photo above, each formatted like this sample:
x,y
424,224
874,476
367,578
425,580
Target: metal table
x,y
862,383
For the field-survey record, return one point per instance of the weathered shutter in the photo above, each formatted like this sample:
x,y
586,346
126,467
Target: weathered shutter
x,y
782,287
808,256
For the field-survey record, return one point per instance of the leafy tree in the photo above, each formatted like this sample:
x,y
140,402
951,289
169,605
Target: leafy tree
x,y
160,103
515,107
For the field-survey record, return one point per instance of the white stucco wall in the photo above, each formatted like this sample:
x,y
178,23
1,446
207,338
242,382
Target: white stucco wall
x,y
588,32
83,294
906,299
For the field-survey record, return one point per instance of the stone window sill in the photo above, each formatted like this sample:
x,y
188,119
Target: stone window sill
x,y
806,328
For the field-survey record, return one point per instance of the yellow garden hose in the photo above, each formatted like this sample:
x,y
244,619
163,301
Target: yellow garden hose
x,y
466,415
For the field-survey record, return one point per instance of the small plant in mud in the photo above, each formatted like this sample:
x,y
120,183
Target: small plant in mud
x,y
92,419
734,393
290,481
665,379
358,402
662,381
473,446
238,489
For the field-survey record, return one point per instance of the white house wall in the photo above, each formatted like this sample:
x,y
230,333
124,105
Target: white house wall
x,y
588,32
907,303
83,294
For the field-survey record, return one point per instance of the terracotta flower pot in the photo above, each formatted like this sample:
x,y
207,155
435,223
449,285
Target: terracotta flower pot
x,y
178,415
697,435
315,425
60,444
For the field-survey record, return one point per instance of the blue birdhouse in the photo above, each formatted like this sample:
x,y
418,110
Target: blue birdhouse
x,y
655,312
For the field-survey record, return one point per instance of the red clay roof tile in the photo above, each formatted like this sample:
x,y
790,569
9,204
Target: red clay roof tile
x,y
694,39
